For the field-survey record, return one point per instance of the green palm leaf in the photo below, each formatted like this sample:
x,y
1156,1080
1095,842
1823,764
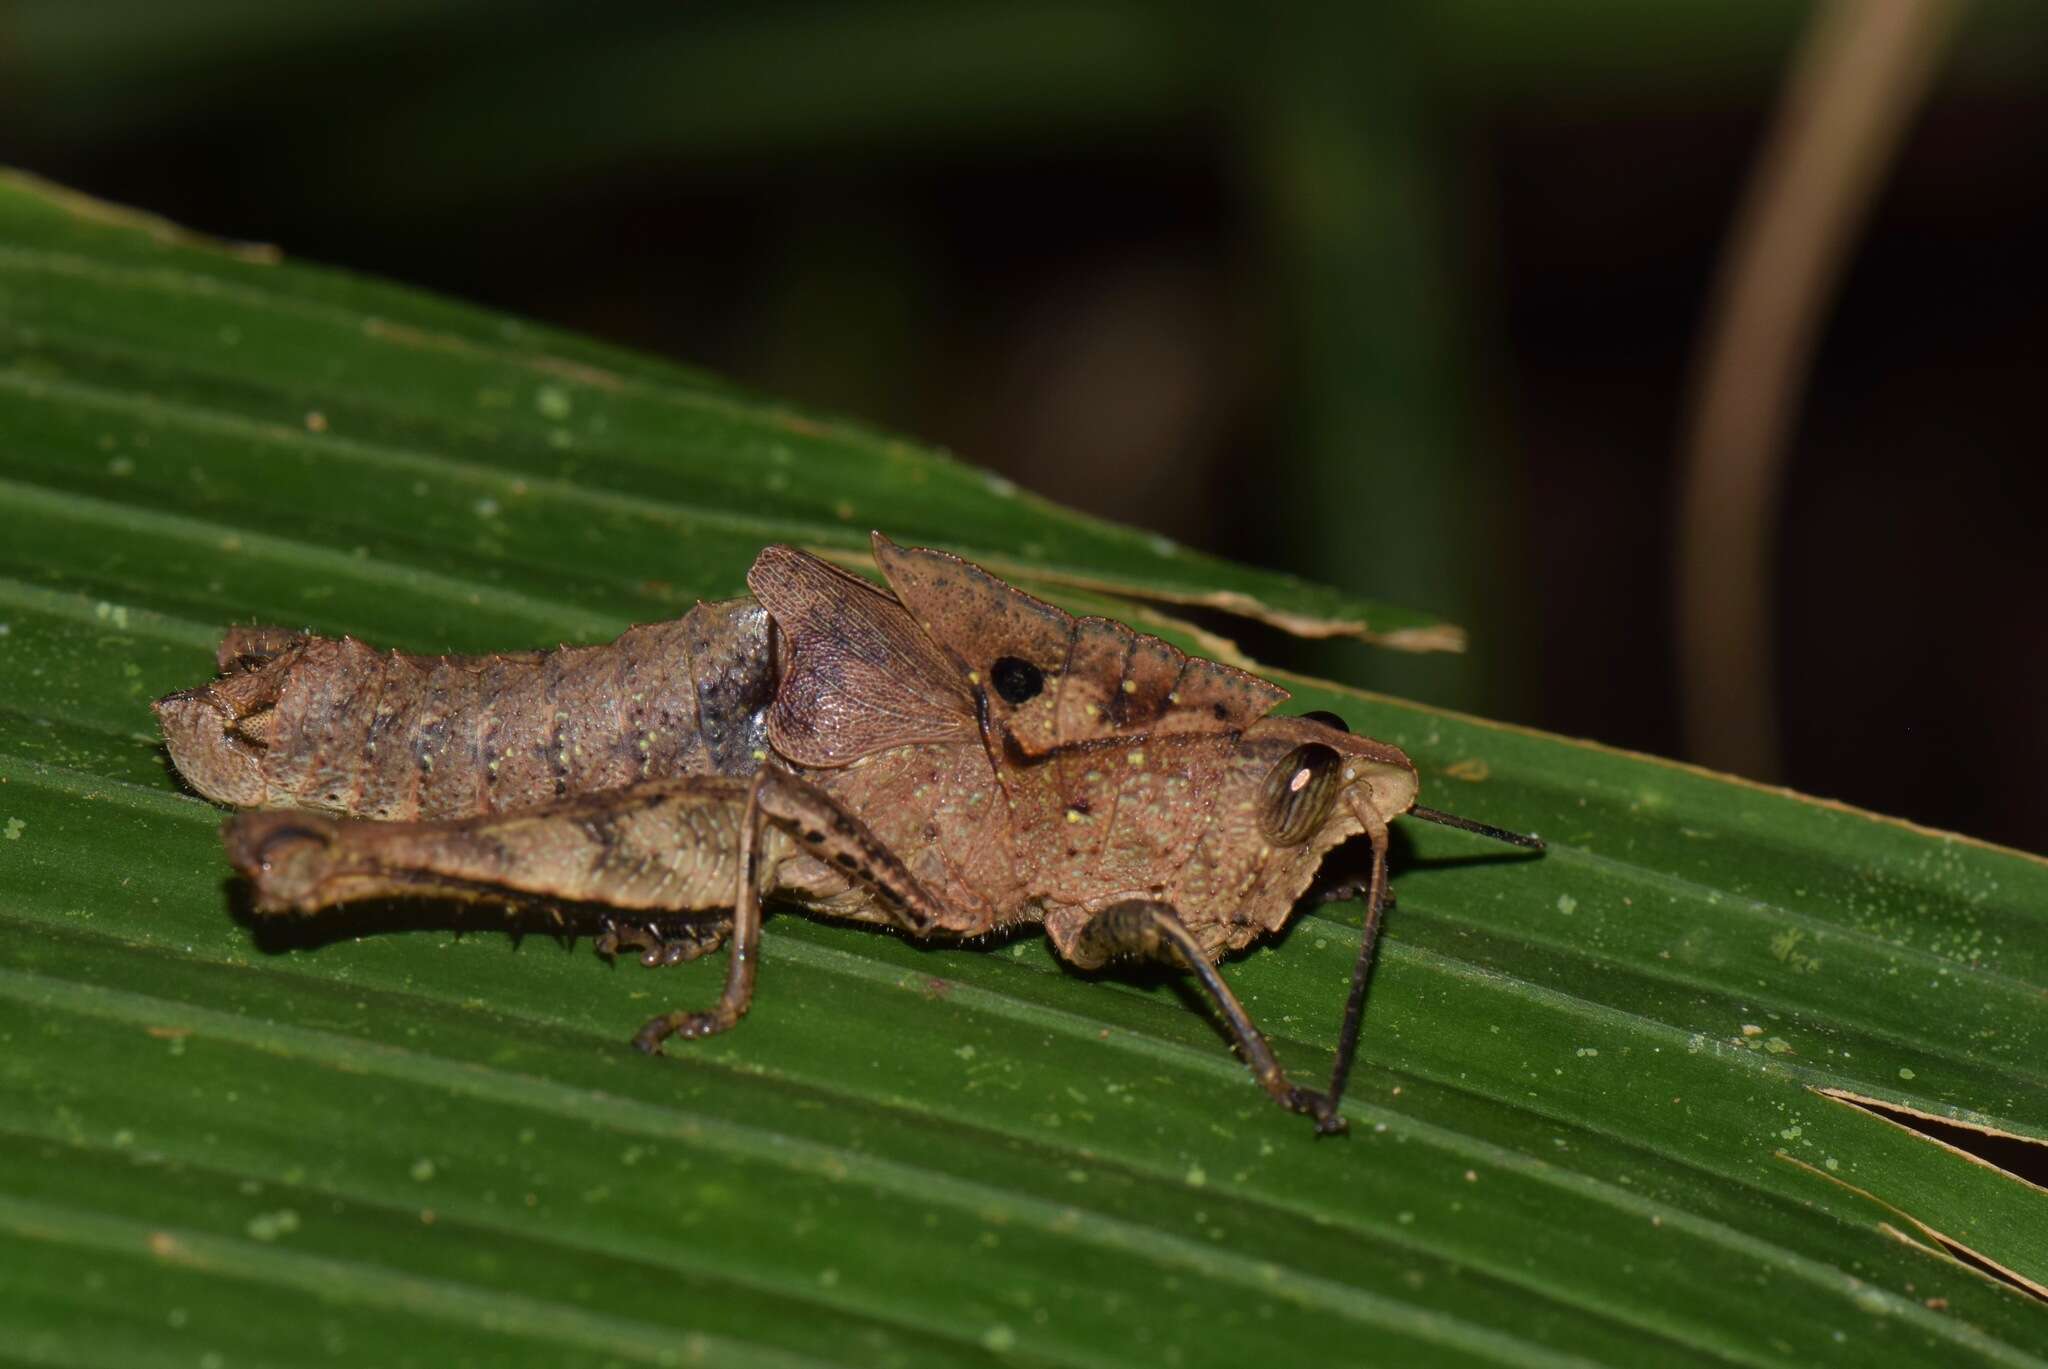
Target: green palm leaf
x,y
1589,1122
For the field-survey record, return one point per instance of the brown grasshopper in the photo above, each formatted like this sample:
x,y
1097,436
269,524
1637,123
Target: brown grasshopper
x,y
951,759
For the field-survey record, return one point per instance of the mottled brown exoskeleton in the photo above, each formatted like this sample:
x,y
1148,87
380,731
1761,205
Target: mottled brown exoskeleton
x,y
951,759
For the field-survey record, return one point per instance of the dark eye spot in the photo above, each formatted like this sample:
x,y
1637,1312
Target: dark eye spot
x,y
1327,719
1299,793
1018,681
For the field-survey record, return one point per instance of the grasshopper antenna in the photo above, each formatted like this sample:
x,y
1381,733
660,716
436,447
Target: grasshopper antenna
x,y
1467,825
1328,1122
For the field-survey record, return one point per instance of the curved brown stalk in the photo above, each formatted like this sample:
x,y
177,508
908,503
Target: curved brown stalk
x,y
1861,70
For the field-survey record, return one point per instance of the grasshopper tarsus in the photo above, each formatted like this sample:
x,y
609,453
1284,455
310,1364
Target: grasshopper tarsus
x,y
1320,1108
649,1038
686,1026
660,945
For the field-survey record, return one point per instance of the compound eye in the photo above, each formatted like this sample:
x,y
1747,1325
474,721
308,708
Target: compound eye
x,y
1016,679
1299,792
1328,719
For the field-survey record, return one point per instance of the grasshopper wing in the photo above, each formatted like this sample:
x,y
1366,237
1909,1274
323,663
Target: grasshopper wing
x,y
857,676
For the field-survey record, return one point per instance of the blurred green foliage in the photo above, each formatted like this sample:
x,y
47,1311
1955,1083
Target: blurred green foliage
x,y
433,117
1587,1127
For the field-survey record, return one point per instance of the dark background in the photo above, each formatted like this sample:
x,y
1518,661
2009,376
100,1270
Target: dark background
x,y
1399,297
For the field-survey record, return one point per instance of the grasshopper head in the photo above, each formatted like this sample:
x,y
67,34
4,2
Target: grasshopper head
x,y
1318,785
1300,787
1320,771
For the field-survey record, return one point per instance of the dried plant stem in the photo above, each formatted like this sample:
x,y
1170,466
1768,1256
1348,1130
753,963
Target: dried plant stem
x,y
1861,70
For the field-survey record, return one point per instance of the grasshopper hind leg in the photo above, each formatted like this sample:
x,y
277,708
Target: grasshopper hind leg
x,y
815,822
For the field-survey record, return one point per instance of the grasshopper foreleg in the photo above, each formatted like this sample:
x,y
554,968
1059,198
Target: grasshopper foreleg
x,y
1149,930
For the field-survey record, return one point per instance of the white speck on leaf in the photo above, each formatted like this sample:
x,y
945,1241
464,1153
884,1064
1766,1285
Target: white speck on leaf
x,y
268,1226
553,402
